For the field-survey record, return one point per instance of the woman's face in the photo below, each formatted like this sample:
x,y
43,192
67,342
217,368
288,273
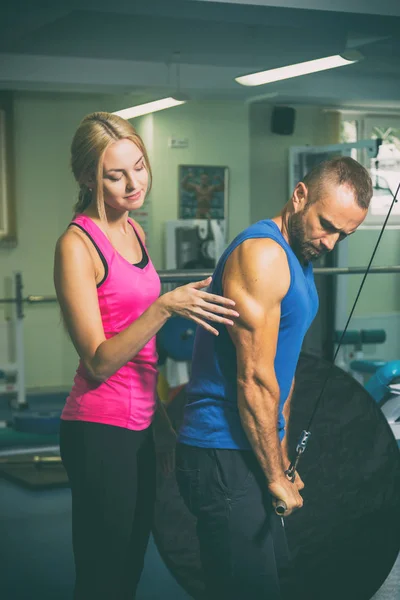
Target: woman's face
x,y
125,177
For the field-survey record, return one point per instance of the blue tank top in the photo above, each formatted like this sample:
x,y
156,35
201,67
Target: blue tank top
x,y
211,417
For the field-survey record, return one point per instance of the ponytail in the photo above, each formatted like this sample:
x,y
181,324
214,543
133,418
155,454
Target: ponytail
x,y
84,199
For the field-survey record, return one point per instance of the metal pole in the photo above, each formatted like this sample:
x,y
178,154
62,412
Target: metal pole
x,y
9,452
40,299
177,276
355,270
188,276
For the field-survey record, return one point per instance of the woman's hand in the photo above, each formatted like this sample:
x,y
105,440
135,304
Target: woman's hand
x,y
191,302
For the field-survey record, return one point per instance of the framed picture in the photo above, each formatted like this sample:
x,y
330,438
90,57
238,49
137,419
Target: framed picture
x,y
8,229
194,243
203,192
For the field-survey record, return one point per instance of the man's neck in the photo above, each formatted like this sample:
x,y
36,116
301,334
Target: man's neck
x,y
281,220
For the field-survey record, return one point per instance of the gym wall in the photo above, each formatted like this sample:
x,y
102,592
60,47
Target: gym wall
x,y
218,134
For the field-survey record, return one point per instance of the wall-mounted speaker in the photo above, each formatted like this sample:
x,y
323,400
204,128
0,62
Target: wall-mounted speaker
x,y
282,120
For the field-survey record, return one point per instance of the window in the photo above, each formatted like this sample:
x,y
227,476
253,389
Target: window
x,y
348,131
385,168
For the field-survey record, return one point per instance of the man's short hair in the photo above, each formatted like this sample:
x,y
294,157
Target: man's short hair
x,y
341,170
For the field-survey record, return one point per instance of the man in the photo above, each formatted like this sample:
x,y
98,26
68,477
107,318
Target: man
x,y
232,455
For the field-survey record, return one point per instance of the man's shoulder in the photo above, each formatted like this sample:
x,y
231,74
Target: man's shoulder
x,y
260,267
266,229
260,251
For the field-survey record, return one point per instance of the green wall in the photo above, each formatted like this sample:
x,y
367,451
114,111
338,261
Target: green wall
x,y
269,153
381,293
218,134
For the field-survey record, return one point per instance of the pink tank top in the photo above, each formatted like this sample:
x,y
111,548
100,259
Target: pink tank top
x,y
127,398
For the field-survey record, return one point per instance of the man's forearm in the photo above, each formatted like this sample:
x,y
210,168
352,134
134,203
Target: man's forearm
x,y
258,409
286,415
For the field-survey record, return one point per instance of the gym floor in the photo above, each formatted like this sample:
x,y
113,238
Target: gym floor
x,y
36,554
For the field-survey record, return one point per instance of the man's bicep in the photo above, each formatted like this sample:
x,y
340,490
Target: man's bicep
x,y
256,277
257,299
250,306
255,334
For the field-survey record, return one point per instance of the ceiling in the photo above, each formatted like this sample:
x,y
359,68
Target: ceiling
x,y
149,48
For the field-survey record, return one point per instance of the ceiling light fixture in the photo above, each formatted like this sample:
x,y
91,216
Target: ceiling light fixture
x,y
148,107
311,66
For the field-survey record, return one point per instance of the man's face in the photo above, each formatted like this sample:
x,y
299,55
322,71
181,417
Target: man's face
x,y
315,229
204,179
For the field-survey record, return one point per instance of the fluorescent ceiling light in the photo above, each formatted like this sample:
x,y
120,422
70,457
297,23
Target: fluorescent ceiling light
x,y
149,107
304,68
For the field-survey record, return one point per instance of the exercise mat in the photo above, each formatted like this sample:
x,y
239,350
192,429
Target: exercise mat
x,y
345,540
10,438
34,471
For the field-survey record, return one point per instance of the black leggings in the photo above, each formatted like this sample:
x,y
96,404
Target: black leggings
x,y
112,476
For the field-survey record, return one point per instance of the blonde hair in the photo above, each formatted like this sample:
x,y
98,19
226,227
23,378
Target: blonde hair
x,y
94,135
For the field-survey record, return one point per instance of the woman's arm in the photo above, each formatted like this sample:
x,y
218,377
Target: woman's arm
x,y
75,283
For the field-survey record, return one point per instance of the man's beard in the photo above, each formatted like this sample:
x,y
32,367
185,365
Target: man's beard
x,y
305,251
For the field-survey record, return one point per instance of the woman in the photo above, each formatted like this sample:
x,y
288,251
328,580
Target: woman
x,y
109,292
